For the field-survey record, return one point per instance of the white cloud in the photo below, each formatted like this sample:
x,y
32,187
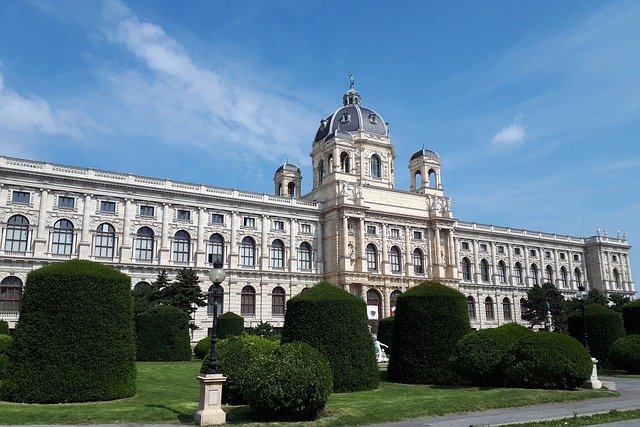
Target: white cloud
x,y
509,136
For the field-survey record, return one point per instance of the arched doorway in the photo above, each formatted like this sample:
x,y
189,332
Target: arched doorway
x,y
374,309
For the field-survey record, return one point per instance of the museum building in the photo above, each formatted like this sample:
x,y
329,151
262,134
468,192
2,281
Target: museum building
x,y
354,229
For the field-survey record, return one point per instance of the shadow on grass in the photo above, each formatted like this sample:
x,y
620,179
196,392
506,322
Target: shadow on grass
x,y
182,417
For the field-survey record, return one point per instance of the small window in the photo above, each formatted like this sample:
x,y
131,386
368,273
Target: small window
x,y
395,232
217,219
417,235
576,257
563,256
500,249
517,251
183,215
146,210
614,258
66,202
249,221
278,225
21,197
547,255
483,247
533,252
305,228
371,229
107,206
465,246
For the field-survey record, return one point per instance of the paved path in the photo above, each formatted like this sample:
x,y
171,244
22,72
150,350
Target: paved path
x,y
629,398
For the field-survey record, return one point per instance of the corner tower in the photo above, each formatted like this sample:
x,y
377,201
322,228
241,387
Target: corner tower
x,y
424,171
288,180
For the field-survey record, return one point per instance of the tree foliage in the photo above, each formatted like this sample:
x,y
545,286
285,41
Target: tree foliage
x,y
594,296
184,292
617,300
535,309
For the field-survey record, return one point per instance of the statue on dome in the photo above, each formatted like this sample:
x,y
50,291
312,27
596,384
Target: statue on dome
x,y
352,81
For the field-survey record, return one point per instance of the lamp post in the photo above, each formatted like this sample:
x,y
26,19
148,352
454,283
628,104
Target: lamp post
x,y
217,275
582,296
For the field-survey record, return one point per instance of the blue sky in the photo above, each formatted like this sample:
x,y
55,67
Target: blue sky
x,y
533,106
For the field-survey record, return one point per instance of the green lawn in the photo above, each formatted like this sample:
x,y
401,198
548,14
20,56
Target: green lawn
x,y
168,393
588,420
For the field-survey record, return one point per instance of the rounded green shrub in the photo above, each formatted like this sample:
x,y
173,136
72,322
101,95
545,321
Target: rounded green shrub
x,y
162,335
4,362
604,326
4,327
229,324
235,355
202,348
429,320
385,331
75,340
479,354
5,343
291,383
631,317
625,354
335,323
546,360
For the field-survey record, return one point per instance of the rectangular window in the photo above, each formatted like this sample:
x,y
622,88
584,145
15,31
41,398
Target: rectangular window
x,y
107,206
66,202
483,247
371,229
249,221
395,232
278,225
465,246
217,218
305,228
533,252
146,210
500,249
614,258
516,251
417,235
547,255
21,197
576,257
562,256
183,215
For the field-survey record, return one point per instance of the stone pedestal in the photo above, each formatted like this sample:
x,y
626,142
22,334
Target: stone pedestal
x,y
594,382
210,411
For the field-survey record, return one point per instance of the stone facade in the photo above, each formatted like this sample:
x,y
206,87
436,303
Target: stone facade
x,y
354,229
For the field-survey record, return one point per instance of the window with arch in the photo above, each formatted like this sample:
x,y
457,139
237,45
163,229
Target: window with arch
x,y
578,275
466,269
143,249
393,300
488,308
248,252
502,272
277,254
471,307
10,294
142,286
62,237
216,248
533,272
320,171
215,296
248,301
616,278
484,270
277,301
548,274
181,246
564,279
291,189
304,256
105,241
394,259
518,273
376,167
506,309
17,237
372,257
374,298
418,261
433,179
345,162
417,179
522,307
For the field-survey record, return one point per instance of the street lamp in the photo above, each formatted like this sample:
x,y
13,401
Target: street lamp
x,y
217,275
582,296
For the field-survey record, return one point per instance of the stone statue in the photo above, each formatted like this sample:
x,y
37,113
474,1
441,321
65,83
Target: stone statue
x,y
352,81
381,356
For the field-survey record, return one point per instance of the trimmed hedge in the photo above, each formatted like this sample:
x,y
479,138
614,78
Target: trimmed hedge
x,y
74,341
229,324
162,335
631,317
385,331
291,383
429,320
202,348
480,353
4,327
335,323
547,360
604,326
625,354
5,343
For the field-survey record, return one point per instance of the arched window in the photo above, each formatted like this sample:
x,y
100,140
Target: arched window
x,y
506,309
502,272
277,254
376,167
533,272
466,269
248,252
373,298
394,300
564,280
522,307
345,162
105,241
417,179
616,278
215,296
181,246
433,178
141,286
277,301
17,237
330,163
304,256
291,188
320,171
144,244
488,308
372,257
248,301
548,274
418,262
471,307
394,259
518,273
484,270
10,293
62,237
578,275
216,248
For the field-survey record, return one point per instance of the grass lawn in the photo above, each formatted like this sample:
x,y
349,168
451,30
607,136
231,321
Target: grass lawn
x,y
168,393
588,420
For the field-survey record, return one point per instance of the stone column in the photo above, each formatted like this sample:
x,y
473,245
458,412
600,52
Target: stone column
x,y
361,260
494,264
40,242
293,249
201,249
233,243
165,249
527,268
210,411
385,267
125,248
264,244
344,257
84,247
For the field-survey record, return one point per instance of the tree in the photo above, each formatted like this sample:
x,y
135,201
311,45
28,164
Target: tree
x,y
618,300
593,297
148,296
184,292
263,329
535,309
